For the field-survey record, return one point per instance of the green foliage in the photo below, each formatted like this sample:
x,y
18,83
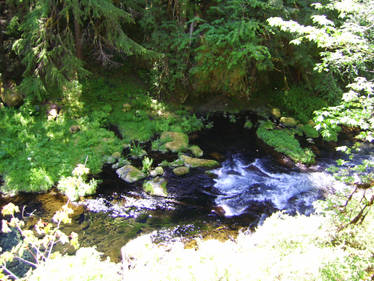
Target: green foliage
x,y
36,152
309,131
284,142
147,165
137,115
341,30
52,45
159,144
299,102
136,151
248,124
355,110
232,48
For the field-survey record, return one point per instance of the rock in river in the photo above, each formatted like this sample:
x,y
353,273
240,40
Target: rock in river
x,y
197,162
181,171
130,174
156,186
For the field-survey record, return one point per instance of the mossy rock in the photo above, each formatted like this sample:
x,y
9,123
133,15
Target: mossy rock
x,y
196,151
283,141
156,186
288,121
177,141
158,171
197,162
181,171
130,174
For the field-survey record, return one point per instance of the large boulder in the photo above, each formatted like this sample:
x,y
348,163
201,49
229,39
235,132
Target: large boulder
x,y
197,162
156,186
174,141
130,174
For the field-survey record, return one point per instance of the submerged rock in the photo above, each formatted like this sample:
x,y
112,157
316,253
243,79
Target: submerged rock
x,y
130,174
197,162
175,141
156,186
181,171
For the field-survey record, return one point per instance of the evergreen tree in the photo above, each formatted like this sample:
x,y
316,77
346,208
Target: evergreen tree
x,y
57,36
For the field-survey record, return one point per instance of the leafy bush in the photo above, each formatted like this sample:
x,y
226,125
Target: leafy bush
x,y
340,29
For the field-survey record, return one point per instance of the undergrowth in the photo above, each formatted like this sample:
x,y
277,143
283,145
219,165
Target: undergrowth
x,y
38,149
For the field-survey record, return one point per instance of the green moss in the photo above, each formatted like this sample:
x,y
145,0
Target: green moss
x,y
284,142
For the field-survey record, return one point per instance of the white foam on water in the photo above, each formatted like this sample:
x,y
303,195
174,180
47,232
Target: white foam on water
x,y
241,185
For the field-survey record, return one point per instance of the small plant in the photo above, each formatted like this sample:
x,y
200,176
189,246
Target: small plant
x,y
136,151
76,186
147,164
